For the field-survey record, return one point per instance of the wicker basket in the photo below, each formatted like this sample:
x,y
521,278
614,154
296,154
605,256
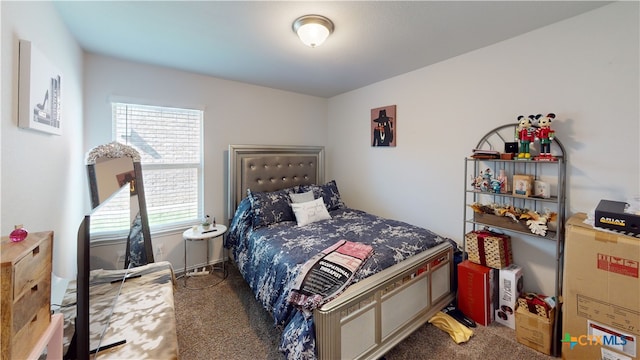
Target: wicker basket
x,y
489,249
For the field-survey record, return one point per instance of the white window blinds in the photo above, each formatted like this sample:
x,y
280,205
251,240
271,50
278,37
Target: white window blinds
x,y
169,141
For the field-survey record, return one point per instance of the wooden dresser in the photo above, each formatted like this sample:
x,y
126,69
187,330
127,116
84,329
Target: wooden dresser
x,y
25,280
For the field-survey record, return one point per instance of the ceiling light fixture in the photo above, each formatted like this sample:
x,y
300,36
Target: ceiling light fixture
x,y
313,30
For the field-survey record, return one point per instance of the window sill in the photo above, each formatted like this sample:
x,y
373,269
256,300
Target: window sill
x,y
106,239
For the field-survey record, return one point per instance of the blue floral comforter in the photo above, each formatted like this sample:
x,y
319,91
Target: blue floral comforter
x,y
269,257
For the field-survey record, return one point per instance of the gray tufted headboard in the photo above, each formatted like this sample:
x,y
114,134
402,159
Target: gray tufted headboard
x,y
270,168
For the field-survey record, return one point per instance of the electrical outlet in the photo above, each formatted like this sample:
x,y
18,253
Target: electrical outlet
x,y
160,252
120,256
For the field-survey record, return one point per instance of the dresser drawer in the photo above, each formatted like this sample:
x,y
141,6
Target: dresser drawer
x,y
37,297
34,265
26,338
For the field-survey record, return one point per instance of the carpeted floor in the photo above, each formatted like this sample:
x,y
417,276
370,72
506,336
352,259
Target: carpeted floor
x,y
226,322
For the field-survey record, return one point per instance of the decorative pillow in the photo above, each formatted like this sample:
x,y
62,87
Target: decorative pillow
x,y
311,211
271,207
328,192
302,197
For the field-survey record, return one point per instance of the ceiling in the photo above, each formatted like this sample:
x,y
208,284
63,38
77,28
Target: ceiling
x,y
253,42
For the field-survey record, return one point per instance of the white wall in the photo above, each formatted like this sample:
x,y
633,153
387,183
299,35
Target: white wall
x,y
235,113
584,69
41,173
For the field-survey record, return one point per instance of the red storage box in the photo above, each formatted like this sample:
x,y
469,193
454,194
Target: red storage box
x,y
489,249
476,284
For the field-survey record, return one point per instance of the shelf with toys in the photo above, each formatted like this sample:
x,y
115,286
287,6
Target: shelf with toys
x,y
515,184
528,198
519,184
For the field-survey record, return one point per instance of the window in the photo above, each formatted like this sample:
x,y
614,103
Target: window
x,y
169,141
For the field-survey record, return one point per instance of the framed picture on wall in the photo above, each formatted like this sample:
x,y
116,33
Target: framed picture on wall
x,y
384,126
38,91
522,185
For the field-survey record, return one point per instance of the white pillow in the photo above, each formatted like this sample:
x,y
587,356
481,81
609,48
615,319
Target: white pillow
x,y
301,197
310,211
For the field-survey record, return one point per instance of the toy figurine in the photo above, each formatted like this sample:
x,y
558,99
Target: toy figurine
x,y
525,135
545,134
496,186
486,180
476,181
482,181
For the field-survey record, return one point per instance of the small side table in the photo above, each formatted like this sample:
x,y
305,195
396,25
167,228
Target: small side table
x,y
197,234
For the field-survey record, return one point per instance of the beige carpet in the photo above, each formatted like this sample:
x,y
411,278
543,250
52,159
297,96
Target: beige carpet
x,y
226,322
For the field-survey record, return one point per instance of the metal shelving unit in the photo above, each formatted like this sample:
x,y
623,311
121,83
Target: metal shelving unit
x,y
551,172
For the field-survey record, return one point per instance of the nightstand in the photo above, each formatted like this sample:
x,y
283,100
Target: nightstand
x,y
198,234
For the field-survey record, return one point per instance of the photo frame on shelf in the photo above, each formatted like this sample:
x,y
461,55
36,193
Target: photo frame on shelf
x,y
541,189
522,184
38,91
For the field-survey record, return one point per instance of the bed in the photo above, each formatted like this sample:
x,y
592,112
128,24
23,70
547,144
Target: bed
x,y
406,280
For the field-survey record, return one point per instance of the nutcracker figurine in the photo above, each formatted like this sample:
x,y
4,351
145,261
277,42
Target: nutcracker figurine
x,y
545,134
525,135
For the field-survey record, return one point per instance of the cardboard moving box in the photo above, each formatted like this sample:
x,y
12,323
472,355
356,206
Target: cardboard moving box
x,y
601,313
534,331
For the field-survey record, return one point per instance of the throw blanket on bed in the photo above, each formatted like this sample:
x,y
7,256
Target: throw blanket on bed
x,y
327,274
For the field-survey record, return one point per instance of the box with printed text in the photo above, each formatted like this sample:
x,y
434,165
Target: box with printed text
x,y
601,290
611,215
509,288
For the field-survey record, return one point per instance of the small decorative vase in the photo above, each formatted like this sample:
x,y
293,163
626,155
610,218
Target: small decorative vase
x,y
18,234
206,223
502,177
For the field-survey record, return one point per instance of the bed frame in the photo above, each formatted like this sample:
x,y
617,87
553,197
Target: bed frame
x,y
374,314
